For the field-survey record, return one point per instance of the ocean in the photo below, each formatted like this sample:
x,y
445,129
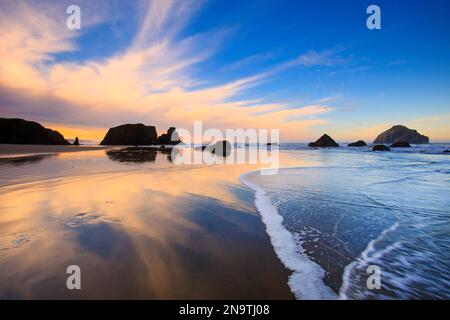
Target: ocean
x,y
352,209
329,225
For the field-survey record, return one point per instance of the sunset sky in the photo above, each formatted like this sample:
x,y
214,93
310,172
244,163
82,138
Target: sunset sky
x,y
304,67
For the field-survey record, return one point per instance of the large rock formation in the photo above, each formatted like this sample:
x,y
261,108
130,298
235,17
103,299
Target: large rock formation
x,y
401,133
130,135
19,131
171,137
325,141
359,143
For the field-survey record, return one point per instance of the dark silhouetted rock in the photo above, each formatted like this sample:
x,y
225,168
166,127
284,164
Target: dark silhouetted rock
x,y
401,133
381,147
358,143
270,144
130,135
446,151
400,144
325,141
76,142
19,131
171,137
220,148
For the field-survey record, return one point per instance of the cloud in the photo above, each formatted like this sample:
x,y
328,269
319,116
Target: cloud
x,y
326,58
150,82
249,61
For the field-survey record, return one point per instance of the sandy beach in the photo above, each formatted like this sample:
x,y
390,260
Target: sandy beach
x,y
11,150
136,229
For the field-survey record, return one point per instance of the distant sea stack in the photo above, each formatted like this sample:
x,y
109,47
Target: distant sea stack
x,y
130,135
359,143
76,142
19,131
171,137
401,133
325,141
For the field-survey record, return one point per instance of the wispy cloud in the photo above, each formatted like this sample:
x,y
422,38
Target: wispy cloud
x,y
149,82
249,61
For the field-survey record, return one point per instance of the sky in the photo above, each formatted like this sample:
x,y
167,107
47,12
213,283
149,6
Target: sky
x,y
303,67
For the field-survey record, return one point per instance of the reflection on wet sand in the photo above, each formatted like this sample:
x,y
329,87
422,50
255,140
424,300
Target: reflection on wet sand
x,y
24,159
157,232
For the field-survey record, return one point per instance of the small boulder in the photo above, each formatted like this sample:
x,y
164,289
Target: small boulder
x,y
446,151
325,141
381,147
76,142
221,148
359,143
400,144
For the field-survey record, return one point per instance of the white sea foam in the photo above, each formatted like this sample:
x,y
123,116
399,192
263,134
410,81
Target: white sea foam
x,y
363,260
306,281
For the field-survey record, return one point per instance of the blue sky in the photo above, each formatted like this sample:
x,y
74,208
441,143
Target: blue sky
x,y
302,54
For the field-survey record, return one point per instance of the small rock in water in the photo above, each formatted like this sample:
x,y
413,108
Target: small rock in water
x,y
222,148
359,143
381,147
324,141
400,144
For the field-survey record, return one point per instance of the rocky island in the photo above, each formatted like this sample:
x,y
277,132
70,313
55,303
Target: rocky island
x,y
20,131
401,133
324,141
131,135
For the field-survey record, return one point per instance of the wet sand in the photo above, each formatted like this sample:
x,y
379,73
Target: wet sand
x,y
138,230
25,149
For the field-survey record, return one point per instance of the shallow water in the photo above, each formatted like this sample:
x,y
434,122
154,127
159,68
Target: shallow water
x,y
353,209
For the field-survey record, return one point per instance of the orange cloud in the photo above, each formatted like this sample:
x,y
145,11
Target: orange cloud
x,y
150,80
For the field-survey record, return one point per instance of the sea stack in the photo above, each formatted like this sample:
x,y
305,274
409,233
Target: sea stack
x,y
325,141
131,135
76,142
171,137
359,143
20,131
401,133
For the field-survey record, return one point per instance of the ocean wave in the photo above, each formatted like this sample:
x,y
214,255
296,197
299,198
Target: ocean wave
x,y
306,281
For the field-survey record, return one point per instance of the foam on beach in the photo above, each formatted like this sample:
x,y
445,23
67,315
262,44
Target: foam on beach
x,y
306,281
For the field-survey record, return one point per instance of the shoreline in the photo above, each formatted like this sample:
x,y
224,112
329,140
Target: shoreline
x,y
21,150
307,278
